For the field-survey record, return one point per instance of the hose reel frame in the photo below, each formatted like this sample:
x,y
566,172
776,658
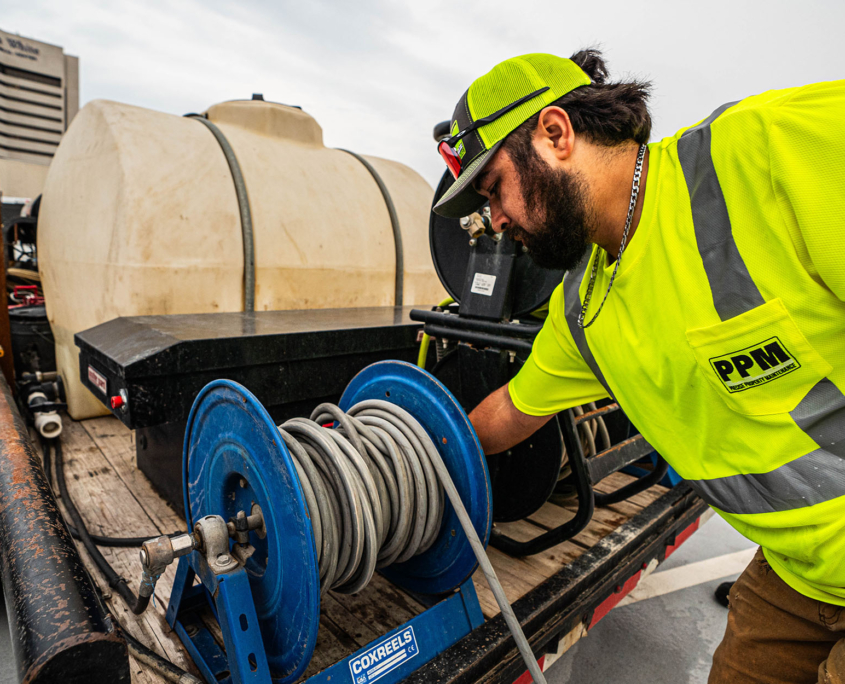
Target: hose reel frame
x,y
234,456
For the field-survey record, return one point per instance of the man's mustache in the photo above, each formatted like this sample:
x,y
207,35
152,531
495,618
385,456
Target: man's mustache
x,y
517,233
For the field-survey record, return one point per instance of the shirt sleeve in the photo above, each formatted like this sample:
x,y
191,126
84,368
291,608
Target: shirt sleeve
x,y
555,377
807,162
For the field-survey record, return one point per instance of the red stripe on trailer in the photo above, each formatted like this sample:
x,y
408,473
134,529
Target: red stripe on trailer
x,y
610,602
525,678
613,600
681,537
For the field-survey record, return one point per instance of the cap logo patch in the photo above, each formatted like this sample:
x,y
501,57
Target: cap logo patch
x,y
460,149
755,365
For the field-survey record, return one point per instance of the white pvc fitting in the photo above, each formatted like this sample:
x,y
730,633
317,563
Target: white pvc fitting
x,y
48,424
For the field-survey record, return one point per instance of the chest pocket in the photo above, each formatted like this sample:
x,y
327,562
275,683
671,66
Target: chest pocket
x,y
759,362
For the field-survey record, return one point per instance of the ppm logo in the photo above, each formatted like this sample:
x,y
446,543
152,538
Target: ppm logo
x,y
755,365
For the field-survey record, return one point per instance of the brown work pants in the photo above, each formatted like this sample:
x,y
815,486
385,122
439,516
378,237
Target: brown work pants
x,y
777,636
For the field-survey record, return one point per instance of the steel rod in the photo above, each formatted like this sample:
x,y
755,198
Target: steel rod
x,y
596,413
521,330
478,338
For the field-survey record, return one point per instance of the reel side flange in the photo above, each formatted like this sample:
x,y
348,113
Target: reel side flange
x,y
233,458
450,560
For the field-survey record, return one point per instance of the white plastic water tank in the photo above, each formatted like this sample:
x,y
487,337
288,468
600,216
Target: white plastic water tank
x,y
140,216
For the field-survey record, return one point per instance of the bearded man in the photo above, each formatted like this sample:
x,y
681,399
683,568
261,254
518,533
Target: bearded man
x,y
705,293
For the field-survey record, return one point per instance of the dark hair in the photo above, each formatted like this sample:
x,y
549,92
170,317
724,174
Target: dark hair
x,y
608,114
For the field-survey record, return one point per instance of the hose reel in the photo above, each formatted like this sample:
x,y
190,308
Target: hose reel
x,y
238,467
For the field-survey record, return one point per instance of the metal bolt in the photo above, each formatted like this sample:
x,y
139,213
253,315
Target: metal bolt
x,y
497,237
524,249
191,630
486,211
223,559
143,556
465,221
472,242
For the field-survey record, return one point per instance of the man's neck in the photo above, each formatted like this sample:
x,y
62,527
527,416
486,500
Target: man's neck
x,y
610,189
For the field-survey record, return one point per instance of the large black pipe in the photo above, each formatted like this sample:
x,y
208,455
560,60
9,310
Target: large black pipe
x,y
60,631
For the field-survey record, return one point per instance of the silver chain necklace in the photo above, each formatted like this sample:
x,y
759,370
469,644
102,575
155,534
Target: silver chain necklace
x,y
635,191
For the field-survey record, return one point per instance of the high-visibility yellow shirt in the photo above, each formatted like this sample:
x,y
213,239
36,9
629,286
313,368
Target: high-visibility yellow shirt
x,y
723,338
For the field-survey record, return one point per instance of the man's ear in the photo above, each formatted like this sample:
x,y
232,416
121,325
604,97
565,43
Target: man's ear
x,y
554,135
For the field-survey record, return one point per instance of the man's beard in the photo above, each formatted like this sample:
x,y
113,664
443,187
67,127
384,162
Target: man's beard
x,y
557,205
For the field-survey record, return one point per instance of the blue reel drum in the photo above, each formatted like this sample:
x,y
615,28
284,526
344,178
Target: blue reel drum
x,y
234,457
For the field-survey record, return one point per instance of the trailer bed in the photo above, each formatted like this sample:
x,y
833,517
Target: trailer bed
x,y
116,499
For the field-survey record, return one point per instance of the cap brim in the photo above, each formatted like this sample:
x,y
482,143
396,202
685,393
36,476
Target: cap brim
x,y
461,199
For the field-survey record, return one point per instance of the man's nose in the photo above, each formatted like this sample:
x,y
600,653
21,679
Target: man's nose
x,y
498,219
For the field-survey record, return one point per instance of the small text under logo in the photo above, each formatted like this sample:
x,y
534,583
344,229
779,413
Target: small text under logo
x,y
755,365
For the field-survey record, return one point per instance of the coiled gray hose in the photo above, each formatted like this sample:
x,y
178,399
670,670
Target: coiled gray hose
x,y
374,489
588,431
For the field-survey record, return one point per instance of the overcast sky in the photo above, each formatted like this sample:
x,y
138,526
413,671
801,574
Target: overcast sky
x,y
378,74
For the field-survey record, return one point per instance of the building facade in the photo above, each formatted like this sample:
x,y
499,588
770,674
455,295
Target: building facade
x,y
39,96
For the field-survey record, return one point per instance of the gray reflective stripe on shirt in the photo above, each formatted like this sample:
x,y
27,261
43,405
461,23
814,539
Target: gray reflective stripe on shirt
x,y
733,290
814,478
572,305
811,479
821,414
817,476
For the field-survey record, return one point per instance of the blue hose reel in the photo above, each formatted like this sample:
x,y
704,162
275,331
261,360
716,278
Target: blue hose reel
x,y
268,605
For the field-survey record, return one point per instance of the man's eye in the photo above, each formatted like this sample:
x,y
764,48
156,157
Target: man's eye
x,y
492,190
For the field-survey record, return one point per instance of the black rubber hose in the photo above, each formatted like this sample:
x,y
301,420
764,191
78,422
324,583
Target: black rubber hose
x,y
112,542
243,208
442,362
117,542
137,604
399,284
144,655
165,668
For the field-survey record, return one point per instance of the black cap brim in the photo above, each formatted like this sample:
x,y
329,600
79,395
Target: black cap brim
x,y
461,199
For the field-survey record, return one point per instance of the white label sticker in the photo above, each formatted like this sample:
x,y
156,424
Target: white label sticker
x,y
384,657
97,380
483,284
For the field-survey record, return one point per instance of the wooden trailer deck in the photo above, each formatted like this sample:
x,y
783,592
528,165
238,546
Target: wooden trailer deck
x,y
116,499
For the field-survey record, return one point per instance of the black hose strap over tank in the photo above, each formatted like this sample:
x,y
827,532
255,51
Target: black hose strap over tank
x,y
243,206
398,294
